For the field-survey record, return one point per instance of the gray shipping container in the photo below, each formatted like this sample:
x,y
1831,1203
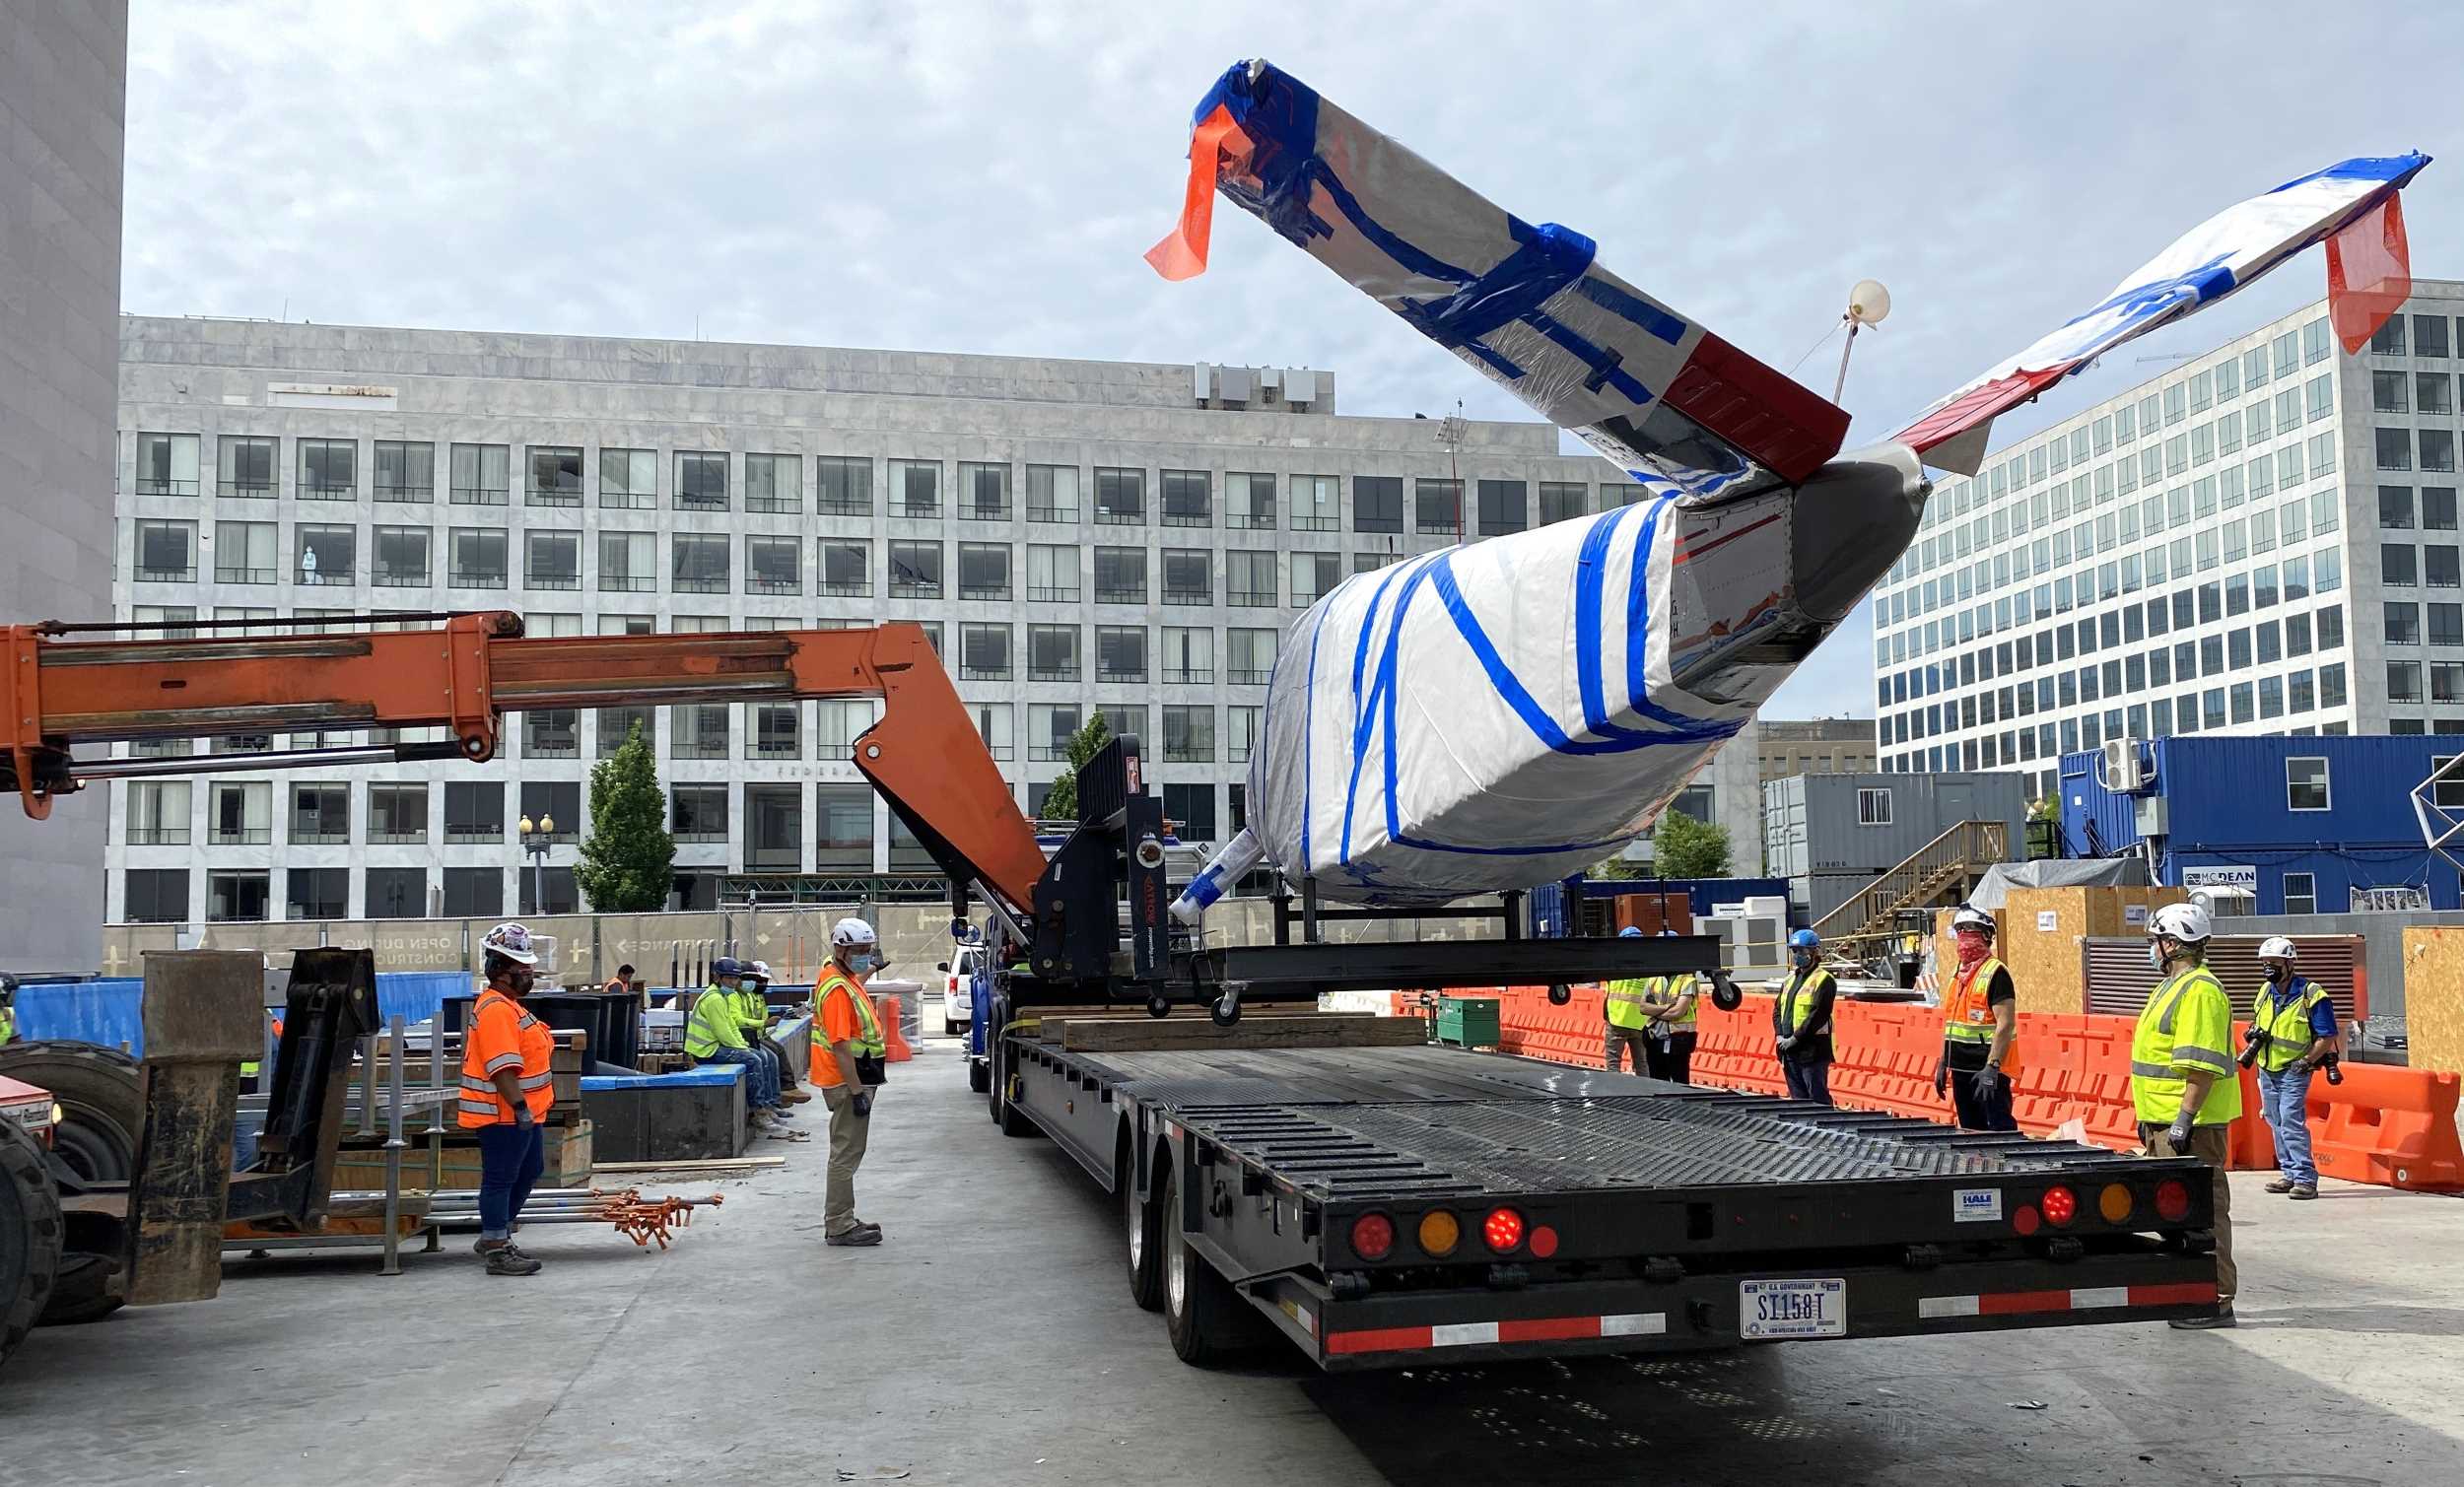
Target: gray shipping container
x,y
1830,835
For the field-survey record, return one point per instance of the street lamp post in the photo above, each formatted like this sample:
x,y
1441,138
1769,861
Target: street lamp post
x,y
535,842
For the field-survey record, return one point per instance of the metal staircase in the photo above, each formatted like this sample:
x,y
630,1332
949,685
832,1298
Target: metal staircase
x,y
1942,871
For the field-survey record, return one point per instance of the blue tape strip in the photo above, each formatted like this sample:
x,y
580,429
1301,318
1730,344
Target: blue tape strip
x,y
2396,170
1641,312
1549,258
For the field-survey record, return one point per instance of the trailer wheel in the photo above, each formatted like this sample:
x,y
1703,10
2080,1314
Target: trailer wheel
x,y
1560,995
85,1289
29,1234
1724,992
1207,1320
979,1075
1142,1219
102,1107
1012,1120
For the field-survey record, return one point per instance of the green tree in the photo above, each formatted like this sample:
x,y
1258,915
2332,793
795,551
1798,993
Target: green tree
x,y
627,863
1683,848
1061,803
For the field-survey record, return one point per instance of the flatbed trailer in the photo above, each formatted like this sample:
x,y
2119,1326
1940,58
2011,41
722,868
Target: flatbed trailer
x,y
1393,1206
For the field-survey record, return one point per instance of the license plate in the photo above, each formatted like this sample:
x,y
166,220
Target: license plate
x,y
1771,1309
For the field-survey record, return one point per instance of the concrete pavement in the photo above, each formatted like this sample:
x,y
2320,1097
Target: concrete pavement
x,y
992,1340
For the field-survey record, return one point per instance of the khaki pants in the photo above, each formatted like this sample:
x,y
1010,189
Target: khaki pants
x,y
1616,1042
849,1131
2209,1144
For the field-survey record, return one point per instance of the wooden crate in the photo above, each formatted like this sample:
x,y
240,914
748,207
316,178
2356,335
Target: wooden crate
x,y
2433,997
2043,953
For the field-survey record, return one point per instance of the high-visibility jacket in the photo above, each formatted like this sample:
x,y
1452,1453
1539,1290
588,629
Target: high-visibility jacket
x,y
753,1011
2287,1023
503,1036
8,1024
714,1024
1682,1020
1623,1001
1967,1015
869,1042
248,1067
2187,1025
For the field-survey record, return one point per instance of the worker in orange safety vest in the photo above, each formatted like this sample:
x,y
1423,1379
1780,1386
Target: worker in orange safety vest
x,y
506,1090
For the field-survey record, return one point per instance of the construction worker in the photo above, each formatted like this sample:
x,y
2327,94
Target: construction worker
x,y
1623,1005
1980,1021
714,1033
8,1010
626,984
849,1059
753,998
2292,1032
249,1067
506,1093
1801,1020
2182,1077
1671,1013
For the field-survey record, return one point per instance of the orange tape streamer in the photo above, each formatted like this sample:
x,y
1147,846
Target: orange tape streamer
x,y
1182,253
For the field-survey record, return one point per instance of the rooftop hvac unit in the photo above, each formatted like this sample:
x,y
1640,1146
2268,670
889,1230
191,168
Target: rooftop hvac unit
x,y
1201,382
1300,388
2126,770
1234,382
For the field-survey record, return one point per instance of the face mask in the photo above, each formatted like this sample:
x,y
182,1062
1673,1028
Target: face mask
x,y
862,962
1804,959
2279,975
1971,949
2156,955
520,980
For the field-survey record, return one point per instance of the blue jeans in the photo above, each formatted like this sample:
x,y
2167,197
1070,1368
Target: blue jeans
x,y
2284,1098
760,1086
1808,1081
511,1158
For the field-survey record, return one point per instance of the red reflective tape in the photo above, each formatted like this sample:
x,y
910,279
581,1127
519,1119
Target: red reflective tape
x,y
1547,1329
2184,1294
2010,1302
1687,554
1379,1340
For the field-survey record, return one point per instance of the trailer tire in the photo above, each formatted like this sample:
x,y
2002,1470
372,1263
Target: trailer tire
x,y
102,1105
85,1289
29,1234
979,1075
1012,1121
1209,1322
1141,1218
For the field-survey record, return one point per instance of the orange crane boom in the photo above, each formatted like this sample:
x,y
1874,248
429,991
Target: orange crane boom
x,y
924,755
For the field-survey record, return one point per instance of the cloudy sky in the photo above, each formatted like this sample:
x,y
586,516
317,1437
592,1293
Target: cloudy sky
x,y
984,177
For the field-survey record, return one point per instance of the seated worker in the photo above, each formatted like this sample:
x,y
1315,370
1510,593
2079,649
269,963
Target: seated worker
x,y
714,1033
752,998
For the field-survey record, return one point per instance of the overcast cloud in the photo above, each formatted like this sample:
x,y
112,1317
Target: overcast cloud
x,y
983,177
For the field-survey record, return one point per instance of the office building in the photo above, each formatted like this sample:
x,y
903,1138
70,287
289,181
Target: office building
x,y
1077,535
1820,746
2259,539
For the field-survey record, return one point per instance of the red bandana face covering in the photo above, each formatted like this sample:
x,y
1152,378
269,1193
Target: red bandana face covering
x,y
1971,951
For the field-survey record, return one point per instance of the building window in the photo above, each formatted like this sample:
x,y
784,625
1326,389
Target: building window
x,y
616,726
1250,661
1252,581
2395,448
992,722
240,814
2388,339
774,565
155,895
1188,576
2390,392
477,557
775,731
1051,574
1188,656
167,465
984,492
552,733
2430,336
2433,392
1119,654
1052,652
236,897
1377,503
474,812
1119,574
406,471
847,569
1504,506
1120,498
482,474
1050,726
916,489
1313,575
842,486
316,892
1243,726
1190,810
247,467
474,893
915,570
1437,507
1053,493
396,893
2404,681
773,827
555,476
843,820
1874,807
1247,501
1317,503
774,483
244,552
2305,783
166,552
1189,499
397,815
550,560
329,554
1189,735
401,557
701,481
2437,446
628,479
1560,501
2300,893
983,571
1696,801
556,882
2395,507
158,813
698,812
697,730
628,562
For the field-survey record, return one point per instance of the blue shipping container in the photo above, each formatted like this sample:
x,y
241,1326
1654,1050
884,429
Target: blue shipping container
x,y
2329,814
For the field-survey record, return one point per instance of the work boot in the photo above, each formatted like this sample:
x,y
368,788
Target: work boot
x,y
2222,1318
795,1095
762,1120
853,1238
2280,1184
505,1260
2304,1191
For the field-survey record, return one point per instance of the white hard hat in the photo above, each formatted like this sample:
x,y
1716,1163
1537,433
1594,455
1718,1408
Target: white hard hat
x,y
852,933
758,968
1971,917
2277,948
2180,921
512,941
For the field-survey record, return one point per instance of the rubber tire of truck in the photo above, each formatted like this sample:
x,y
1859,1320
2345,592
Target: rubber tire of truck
x,y
85,1289
102,1105
979,1075
1208,1323
1012,1121
29,1234
1142,1253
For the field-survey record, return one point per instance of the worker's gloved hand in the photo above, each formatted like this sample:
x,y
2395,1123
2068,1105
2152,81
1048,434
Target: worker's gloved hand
x,y
2299,1067
1986,1082
523,1118
1941,1078
862,1103
2178,1134
1788,1045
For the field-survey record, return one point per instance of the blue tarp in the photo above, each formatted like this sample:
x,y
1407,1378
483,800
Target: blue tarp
x,y
700,1073
105,1011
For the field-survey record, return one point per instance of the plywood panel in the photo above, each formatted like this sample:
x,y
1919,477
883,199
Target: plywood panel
x,y
2433,997
2043,953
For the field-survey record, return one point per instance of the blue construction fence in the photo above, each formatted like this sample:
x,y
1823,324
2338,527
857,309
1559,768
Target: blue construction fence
x,y
105,1011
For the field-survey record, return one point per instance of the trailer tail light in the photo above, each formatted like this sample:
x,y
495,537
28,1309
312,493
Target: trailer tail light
x,y
2060,1205
2172,1200
1544,1241
1503,1230
1440,1233
1373,1235
2025,1221
2115,1202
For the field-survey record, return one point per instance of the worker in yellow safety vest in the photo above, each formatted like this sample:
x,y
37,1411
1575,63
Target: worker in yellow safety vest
x,y
1626,1006
1671,1013
2182,1077
1801,1020
8,1010
2293,1032
1980,1021
850,1057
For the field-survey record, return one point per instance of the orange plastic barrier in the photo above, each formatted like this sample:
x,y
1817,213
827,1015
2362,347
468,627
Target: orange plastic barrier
x,y
886,1008
2388,1125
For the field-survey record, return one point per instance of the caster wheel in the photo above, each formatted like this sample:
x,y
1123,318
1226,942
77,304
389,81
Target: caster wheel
x,y
1223,1011
1156,1006
1558,996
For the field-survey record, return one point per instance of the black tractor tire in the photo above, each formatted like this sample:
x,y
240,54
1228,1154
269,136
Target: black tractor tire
x,y
1142,1220
87,1289
1209,1322
29,1234
102,1105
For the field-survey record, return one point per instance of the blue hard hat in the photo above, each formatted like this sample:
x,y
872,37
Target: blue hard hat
x,y
725,967
1630,933
1805,939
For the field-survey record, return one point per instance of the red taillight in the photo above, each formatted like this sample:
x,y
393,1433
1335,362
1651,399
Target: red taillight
x,y
2172,1202
2025,1220
1544,1241
2061,1205
1373,1235
1503,1230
